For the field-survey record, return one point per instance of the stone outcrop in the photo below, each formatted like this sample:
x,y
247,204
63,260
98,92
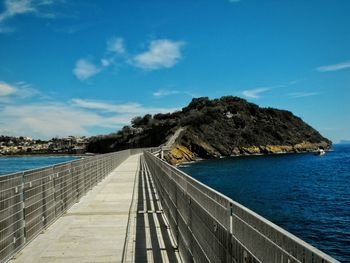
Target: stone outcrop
x,y
179,153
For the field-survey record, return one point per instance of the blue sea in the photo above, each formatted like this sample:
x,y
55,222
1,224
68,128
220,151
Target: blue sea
x,y
16,164
305,194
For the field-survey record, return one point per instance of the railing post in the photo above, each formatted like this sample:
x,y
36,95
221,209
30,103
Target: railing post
x,y
23,208
229,257
176,216
73,193
191,241
43,196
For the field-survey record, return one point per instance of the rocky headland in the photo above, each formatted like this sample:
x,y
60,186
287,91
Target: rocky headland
x,y
229,126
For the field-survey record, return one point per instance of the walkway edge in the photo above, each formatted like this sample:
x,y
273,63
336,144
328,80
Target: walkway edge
x,y
131,221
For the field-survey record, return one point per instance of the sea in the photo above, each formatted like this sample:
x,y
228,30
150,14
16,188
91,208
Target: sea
x,y
305,194
10,165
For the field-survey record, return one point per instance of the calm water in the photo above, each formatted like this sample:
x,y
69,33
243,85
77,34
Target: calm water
x,y
17,164
305,194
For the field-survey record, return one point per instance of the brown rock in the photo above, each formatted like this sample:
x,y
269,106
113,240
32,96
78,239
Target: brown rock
x,y
236,151
251,150
179,154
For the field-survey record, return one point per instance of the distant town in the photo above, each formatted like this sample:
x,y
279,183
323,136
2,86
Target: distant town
x,y
10,145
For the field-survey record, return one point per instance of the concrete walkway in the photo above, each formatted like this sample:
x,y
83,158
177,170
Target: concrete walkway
x,y
93,230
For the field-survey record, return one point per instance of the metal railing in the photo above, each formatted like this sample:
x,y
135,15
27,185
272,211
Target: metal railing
x,y
210,227
32,200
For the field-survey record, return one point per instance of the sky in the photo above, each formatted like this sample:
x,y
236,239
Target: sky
x,y
88,67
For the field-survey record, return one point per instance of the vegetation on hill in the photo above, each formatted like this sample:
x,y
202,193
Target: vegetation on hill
x,y
212,128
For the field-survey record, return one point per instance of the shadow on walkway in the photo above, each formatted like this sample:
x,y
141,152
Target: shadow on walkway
x,y
153,241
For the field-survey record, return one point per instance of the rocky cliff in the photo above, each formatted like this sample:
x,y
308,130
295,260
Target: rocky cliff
x,y
214,128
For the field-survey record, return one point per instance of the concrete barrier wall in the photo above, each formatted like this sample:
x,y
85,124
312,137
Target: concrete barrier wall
x,y
32,200
210,227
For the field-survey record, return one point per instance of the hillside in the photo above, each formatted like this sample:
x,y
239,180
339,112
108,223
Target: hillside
x,y
213,128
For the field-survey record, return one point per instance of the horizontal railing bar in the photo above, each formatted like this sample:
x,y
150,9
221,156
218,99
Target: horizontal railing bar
x,y
266,238
3,230
11,216
11,244
9,198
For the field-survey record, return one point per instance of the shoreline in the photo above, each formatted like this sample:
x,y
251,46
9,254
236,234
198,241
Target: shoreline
x,y
179,153
250,155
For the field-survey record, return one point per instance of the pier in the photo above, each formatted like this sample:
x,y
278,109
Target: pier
x,y
131,206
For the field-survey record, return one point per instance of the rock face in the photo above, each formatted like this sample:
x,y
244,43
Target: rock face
x,y
214,128
179,154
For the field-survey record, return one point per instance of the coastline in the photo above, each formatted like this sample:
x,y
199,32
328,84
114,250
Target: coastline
x,y
247,155
180,154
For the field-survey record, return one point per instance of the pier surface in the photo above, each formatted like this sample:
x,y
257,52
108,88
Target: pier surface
x,y
96,228
92,230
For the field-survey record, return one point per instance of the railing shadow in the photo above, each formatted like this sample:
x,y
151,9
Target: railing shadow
x,y
153,242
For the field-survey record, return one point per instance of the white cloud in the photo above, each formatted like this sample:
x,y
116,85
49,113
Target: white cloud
x,y
16,7
254,93
162,53
106,62
43,119
18,90
25,90
131,107
302,94
334,67
21,7
84,69
98,105
116,45
165,92
6,89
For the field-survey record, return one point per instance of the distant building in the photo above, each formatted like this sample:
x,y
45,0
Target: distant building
x,y
25,144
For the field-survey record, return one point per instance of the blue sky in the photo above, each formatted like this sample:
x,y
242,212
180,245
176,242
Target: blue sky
x,y
88,67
